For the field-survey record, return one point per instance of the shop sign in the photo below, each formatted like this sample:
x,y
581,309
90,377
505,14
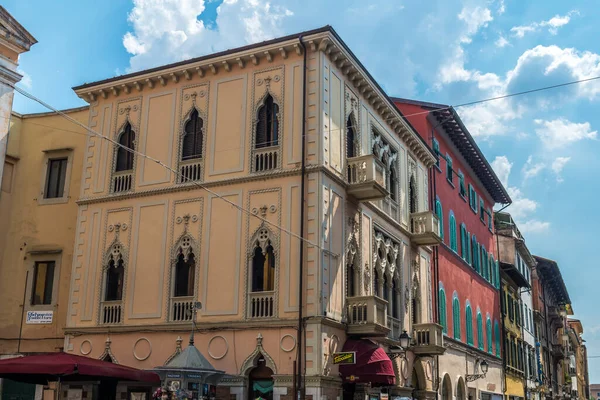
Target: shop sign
x,y
173,375
39,317
347,357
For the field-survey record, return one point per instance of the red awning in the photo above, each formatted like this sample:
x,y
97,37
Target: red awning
x,y
54,366
372,364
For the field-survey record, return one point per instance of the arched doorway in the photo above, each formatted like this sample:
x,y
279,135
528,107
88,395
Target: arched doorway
x,y
461,393
446,388
260,381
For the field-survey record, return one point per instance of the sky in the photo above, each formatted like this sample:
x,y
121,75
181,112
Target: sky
x,y
543,146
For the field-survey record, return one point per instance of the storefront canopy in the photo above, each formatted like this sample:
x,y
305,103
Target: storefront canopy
x,y
48,367
372,364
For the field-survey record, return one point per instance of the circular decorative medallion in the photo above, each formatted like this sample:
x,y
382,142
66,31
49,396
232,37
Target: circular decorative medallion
x,y
194,218
202,93
111,228
142,349
218,347
179,220
259,81
121,111
276,78
255,211
134,108
287,343
124,226
86,347
186,97
273,208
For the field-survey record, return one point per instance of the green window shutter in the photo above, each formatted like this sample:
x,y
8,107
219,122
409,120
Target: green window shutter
x,y
469,255
436,150
442,310
469,324
449,168
456,318
452,228
463,241
479,331
440,215
461,184
488,328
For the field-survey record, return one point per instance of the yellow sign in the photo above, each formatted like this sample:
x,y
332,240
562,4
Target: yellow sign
x,y
348,357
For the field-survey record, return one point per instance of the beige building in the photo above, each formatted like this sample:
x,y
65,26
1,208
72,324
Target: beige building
x,y
262,144
40,184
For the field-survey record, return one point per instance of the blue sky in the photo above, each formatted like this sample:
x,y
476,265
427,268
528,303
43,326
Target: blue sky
x,y
544,146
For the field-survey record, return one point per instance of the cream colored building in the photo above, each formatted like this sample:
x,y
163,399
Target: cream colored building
x,y
262,144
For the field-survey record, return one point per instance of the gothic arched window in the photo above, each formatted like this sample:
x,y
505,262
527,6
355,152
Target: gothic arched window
x,y
350,291
115,274
263,264
125,156
192,137
412,195
267,127
350,138
185,272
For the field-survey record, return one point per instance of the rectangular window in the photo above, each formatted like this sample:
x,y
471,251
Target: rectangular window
x,y
55,178
472,198
461,184
43,280
449,168
436,150
482,210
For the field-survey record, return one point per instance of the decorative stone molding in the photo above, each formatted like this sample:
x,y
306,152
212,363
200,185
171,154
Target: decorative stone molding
x,y
210,352
108,352
128,111
251,360
177,350
88,350
135,353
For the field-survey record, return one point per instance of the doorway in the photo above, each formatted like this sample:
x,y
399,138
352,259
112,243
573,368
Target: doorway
x,y
260,381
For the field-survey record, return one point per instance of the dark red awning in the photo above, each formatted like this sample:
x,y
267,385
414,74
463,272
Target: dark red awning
x,y
53,366
372,364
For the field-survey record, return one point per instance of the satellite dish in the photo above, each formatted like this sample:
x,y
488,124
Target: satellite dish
x,y
198,305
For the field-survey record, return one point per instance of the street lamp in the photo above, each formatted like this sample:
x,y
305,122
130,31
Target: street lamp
x,y
484,369
400,351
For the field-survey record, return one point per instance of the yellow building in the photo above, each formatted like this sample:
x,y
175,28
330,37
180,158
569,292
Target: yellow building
x,y
262,144
38,210
577,359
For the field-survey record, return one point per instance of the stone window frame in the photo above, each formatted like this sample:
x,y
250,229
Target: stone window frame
x,y
33,257
51,155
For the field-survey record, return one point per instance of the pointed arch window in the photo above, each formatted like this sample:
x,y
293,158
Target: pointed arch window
x,y
452,229
479,330
412,195
456,317
192,137
185,273
497,335
469,323
488,331
351,138
115,273
440,214
125,156
263,269
442,309
393,183
350,289
267,127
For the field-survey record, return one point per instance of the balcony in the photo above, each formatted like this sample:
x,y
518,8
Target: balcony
x,y
190,170
558,350
367,316
182,309
266,159
428,339
122,181
366,178
395,328
425,228
111,312
261,305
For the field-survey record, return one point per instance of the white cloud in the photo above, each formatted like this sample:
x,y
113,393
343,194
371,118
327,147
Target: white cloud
x,y
474,18
501,7
530,169
502,167
26,81
521,207
561,132
557,166
169,30
534,226
501,42
552,24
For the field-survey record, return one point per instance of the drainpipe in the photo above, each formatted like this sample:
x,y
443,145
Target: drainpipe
x,y
300,365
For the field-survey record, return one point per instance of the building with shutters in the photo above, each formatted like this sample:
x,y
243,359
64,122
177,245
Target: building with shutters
x,y
516,264
463,190
194,209
38,210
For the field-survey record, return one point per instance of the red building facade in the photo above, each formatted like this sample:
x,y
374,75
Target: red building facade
x,y
463,192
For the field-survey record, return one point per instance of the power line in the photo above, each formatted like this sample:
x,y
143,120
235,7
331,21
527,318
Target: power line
x,y
32,97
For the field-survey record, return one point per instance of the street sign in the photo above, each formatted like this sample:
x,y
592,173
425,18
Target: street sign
x,y
39,317
347,357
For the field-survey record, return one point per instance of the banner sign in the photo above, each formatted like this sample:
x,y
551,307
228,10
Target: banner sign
x,y
348,357
39,317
